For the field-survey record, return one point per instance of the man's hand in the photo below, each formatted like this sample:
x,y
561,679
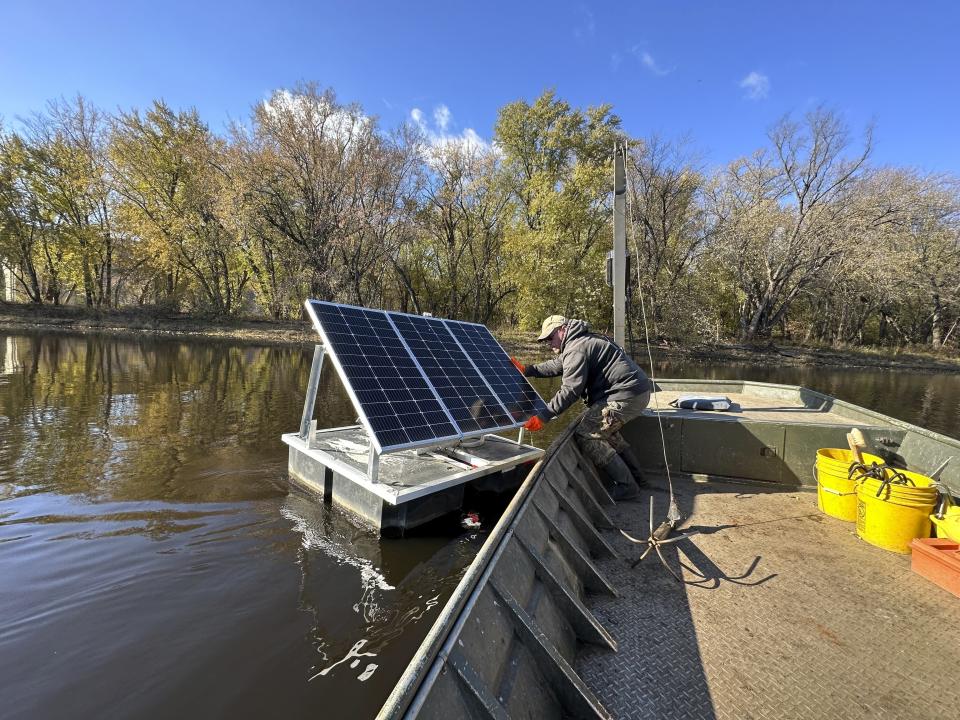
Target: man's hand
x,y
519,366
533,424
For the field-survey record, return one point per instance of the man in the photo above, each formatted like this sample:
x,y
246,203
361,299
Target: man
x,y
614,388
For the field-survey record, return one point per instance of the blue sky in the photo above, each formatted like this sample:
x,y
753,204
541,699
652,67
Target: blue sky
x,y
721,72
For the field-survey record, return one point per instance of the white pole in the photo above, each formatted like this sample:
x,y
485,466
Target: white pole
x,y
619,245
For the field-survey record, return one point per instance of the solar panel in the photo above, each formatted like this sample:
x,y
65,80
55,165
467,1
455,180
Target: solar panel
x,y
396,403
513,389
419,381
470,400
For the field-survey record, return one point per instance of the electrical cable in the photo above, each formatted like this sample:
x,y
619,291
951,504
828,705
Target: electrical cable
x,y
673,513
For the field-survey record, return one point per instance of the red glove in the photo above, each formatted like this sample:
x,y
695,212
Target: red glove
x,y
518,365
533,424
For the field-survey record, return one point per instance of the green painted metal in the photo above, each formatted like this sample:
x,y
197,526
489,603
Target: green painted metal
x,y
504,643
752,451
777,451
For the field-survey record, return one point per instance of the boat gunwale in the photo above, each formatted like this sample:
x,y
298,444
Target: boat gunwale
x,y
410,691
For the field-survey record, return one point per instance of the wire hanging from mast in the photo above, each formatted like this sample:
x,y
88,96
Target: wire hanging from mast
x,y
673,512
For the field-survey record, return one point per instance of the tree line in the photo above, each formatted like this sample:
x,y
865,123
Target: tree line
x,y
804,239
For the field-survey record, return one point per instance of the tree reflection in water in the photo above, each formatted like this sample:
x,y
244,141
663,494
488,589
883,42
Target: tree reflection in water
x,y
155,561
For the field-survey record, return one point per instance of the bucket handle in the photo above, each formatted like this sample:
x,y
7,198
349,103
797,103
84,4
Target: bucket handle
x,y
823,487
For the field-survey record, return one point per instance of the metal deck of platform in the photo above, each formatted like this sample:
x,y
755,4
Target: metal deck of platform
x,y
784,613
412,486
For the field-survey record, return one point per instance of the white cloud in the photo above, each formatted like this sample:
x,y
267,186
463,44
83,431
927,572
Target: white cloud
x,y
468,140
589,26
441,116
340,122
647,60
438,135
650,64
757,85
615,60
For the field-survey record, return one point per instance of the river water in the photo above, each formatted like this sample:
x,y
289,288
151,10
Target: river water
x,y
154,560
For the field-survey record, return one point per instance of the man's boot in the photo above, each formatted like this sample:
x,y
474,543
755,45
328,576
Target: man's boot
x,y
618,479
633,463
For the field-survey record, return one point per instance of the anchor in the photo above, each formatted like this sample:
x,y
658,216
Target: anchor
x,y
660,536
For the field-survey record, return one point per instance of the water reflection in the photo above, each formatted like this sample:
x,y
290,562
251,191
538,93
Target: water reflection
x,y
399,583
131,413
154,561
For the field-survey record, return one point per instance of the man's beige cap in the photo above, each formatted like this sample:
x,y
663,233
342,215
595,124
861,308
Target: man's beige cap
x,y
549,325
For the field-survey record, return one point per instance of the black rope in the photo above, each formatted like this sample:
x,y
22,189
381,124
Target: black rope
x,y
885,474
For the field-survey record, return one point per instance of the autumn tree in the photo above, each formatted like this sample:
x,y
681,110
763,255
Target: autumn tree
x,y
311,154
781,211
24,226
464,211
915,242
558,164
167,167
671,225
66,162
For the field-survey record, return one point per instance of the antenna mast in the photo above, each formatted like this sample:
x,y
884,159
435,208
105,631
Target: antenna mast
x,y
619,244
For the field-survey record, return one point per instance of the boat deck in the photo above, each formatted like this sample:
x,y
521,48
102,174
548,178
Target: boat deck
x,y
784,613
751,406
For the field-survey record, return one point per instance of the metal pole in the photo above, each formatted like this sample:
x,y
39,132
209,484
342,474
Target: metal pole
x,y
373,464
312,385
619,244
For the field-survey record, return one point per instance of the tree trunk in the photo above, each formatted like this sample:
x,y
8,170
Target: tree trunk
x,y
936,322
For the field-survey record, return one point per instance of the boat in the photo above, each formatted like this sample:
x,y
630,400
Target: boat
x,y
781,610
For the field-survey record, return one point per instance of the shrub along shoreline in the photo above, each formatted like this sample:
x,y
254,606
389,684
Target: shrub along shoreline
x,y
20,318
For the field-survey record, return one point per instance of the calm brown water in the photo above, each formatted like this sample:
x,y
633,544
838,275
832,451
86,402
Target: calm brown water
x,y
154,561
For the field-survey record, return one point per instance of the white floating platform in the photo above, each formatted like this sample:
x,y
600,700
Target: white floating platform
x,y
412,486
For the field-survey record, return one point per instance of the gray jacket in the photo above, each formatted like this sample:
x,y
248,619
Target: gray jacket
x,y
593,367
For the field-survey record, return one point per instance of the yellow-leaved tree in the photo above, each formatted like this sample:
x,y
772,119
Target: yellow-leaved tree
x,y
558,163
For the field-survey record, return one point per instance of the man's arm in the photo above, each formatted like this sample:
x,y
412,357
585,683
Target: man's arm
x,y
549,368
574,381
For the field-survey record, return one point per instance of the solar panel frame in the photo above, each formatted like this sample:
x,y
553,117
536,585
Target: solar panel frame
x,y
351,392
443,324
505,401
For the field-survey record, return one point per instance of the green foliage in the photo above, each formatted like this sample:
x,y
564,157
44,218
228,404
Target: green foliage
x,y
309,196
166,168
558,164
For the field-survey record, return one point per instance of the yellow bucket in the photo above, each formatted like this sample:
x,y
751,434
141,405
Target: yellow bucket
x,y
836,492
898,514
949,525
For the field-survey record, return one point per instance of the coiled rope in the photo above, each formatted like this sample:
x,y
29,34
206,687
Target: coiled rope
x,y
885,474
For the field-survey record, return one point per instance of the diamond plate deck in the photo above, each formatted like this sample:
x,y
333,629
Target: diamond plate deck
x,y
784,613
